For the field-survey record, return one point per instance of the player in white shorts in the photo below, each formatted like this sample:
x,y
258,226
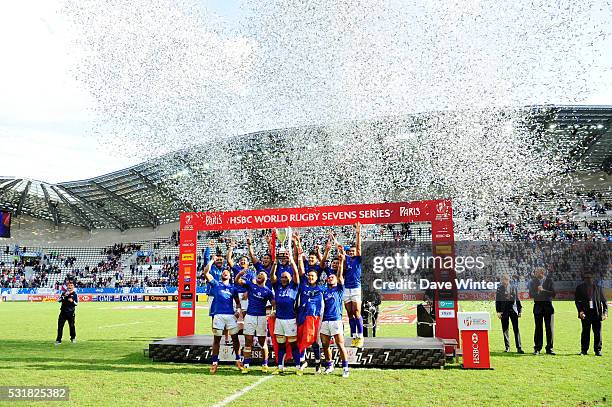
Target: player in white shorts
x,y
352,289
285,326
255,321
225,295
332,318
243,265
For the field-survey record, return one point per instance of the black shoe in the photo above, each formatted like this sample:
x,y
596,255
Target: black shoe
x,y
536,352
550,352
598,353
582,354
521,351
507,350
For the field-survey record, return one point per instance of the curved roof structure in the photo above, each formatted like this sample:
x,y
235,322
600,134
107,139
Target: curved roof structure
x,y
143,195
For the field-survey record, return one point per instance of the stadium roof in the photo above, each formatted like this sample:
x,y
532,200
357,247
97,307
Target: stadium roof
x,y
143,195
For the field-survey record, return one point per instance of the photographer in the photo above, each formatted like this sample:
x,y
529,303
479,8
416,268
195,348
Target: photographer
x,y
69,300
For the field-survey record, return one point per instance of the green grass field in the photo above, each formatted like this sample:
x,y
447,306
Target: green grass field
x,y
107,367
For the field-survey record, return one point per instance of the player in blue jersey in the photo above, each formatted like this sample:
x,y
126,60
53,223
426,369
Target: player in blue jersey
x,y
255,321
352,289
285,326
309,311
216,269
225,295
332,317
263,264
243,265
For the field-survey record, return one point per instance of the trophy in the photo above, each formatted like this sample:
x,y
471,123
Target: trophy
x,y
282,234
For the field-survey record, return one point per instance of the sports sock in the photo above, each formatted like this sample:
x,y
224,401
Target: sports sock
x,y
215,359
352,323
328,364
247,362
344,365
295,352
281,355
359,326
317,352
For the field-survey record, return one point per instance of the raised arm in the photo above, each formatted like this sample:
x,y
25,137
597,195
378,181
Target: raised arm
x,y
323,260
300,263
297,246
296,272
208,251
252,255
358,238
207,274
341,257
273,279
230,253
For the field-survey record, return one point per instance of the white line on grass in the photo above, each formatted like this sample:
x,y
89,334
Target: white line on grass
x,y
241,392
115,325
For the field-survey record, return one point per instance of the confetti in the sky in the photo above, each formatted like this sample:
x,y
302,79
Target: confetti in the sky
x,y
171,76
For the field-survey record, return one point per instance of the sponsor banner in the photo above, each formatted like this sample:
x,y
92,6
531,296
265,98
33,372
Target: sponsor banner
x,y
446,304
187,256
446,313
186,304
85,297
475,349
42,298
161,298
186,313
383,213
474,321
105,298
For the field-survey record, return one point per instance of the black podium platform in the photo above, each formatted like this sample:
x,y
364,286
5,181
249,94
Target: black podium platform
x,y
376,352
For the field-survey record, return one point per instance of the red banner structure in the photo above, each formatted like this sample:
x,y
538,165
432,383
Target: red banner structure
x,y
437,212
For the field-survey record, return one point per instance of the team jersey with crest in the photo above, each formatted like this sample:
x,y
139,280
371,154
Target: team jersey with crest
x,y
332,296
258,299
224,297
352,274
311,301
285,298
281,268
248,276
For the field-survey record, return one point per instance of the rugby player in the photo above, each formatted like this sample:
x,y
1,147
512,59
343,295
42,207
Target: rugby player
x,y
243,265
285,295
255,322
309,311
352,289
225,293
215,270
332,318
263,264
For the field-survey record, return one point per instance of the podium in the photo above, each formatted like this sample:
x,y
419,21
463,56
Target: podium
x,y
474,328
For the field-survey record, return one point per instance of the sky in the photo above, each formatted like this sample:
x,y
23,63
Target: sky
x,y
45,114
47,117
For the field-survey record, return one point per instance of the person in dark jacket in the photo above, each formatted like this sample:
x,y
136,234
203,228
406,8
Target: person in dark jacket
x,y
592,310
69,301
508,307
542,290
